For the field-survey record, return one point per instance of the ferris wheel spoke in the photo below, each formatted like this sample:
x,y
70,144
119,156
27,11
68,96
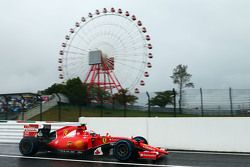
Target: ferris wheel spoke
x,y
124,31
107,36
123,37
129,48
116,41
127,78
128,34
74,69
130,54
130,60
72,63
76,53
82,38
78,72
128,66
120,56
76,58
102,26
72,46
84,69
132,44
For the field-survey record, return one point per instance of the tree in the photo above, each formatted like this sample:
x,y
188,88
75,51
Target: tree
x,y
162,98
55,88
182,78
123,97
99,94
74,89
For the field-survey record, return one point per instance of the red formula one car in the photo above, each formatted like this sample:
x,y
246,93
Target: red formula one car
x,y
79,139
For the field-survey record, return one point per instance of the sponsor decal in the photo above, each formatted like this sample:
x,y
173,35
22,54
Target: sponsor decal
x,y
69,144
31,127
30,130
104,140
65,132
98,151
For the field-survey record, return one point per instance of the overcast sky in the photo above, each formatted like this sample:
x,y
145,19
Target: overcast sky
x,y
212,37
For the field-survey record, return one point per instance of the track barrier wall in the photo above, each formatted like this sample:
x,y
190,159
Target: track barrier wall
x,y
226,134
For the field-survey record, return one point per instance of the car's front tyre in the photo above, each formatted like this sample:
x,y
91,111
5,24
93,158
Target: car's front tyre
x,y
124,150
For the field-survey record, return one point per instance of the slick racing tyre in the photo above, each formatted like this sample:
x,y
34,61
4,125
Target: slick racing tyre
x,y
29,146
124,150
139,139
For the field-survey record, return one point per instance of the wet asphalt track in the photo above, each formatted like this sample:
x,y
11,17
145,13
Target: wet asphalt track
x,y
10,157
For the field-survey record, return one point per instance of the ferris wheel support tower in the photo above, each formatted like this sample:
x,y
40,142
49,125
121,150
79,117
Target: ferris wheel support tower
x,y
101,72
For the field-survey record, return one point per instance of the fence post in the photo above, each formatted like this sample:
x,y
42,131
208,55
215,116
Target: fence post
x,y
149,105
22,103
39,99
59,107
102,112
125,104
80,110
6,115
201,93
41,110
6,107
174,93
231,102
113,103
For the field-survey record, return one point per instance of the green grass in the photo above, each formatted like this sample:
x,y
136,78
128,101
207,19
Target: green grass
x,y
72,113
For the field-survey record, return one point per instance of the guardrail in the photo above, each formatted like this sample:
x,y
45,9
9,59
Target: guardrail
x,y
12,131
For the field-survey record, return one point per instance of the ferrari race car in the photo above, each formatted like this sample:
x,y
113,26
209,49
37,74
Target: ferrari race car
x,y
38,138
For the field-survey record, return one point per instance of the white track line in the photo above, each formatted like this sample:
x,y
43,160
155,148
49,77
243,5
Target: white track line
x,y
87,161
210,153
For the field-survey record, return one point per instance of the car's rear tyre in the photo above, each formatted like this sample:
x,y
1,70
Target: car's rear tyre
x,y
124,150
140,138
29,146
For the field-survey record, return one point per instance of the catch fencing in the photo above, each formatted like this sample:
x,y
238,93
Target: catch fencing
x,y
205,102
195,103
217,102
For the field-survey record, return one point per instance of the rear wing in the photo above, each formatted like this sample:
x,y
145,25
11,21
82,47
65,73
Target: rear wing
x,y
30,130
34,130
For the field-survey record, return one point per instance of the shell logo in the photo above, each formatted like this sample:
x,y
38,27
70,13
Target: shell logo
x,y
78,144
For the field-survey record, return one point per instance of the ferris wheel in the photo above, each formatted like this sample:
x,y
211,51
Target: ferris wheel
x,y
108,48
